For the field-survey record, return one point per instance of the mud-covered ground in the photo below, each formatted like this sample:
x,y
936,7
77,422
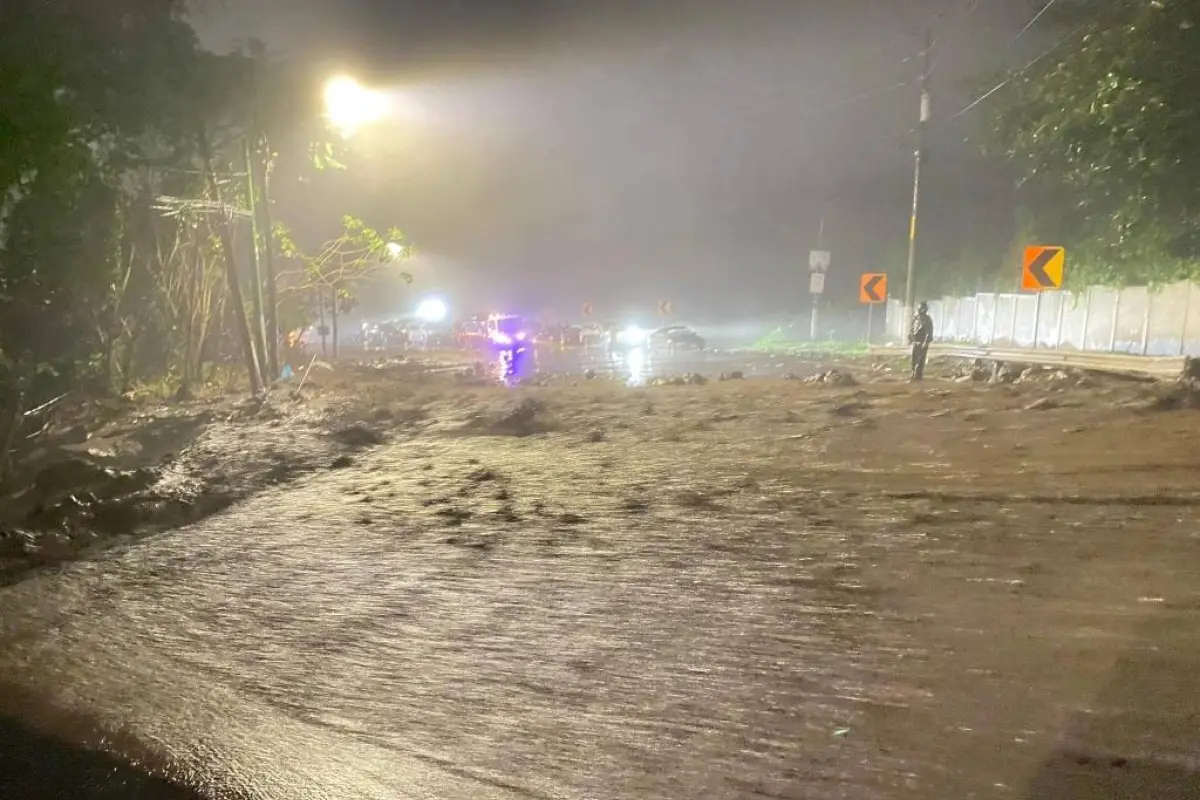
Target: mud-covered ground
x,y
766,588
100,472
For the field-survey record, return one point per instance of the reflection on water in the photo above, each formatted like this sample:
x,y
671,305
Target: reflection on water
x,y
635,366
514,365
636,363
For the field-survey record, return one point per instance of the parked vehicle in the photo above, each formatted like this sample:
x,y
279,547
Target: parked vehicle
x,y
676,337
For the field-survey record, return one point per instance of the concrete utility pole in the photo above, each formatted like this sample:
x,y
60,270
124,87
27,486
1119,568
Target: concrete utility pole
x,y
258,328
814,324
264,239
909,283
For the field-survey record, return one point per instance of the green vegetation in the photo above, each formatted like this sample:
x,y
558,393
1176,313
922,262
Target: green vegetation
x,y
1105,133
136,234
781,342
328,276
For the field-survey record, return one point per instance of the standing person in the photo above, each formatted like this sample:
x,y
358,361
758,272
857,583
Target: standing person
x,y
920,338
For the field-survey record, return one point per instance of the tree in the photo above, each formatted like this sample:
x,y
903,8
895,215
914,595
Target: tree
x,y
1105,132
341,265
81,91
124,199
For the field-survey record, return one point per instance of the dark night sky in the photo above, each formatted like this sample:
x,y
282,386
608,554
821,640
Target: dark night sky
x,y
599,151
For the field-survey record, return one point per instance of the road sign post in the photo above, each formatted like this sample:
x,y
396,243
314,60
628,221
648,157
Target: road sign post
x,y
1037,320
1043,268
872,290
818,264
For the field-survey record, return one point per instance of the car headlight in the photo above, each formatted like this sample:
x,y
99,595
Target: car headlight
x,y
632,335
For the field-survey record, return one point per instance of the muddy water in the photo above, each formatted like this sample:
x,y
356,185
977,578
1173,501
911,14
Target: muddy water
x,y
667,596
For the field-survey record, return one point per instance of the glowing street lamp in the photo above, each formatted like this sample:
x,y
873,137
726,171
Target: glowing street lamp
x,y
432,310
349,105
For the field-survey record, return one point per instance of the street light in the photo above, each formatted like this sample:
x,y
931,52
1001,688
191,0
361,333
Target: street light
x,y
349,105
432,310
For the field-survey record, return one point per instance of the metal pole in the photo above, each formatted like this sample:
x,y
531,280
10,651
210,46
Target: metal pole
x,y
1037,318
995,316
870,320
909,279
814,322
1087,320
1012,328
1062,310
975,319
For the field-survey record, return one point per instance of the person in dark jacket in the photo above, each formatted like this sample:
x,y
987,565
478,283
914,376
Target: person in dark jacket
x,y
920,338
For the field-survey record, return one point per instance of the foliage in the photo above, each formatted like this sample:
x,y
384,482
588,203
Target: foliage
x,y
122,156
358,254
79,88
1105,132
793,343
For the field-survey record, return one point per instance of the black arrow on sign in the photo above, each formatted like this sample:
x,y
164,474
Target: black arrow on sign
x,y
869,288
1037,267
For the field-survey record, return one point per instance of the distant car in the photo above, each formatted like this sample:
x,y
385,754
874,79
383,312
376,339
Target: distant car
x,y
676,337
594,336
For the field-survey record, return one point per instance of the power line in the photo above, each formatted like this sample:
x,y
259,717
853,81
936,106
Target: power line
x,y
961,26
1020,71
861,96
1031,23
1013,43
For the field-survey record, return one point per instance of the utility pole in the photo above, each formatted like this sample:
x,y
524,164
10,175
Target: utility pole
x,y
814,324
909,284
268,241
261,181
256,297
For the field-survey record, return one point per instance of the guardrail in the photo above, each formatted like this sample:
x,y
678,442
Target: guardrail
x,y
1158,367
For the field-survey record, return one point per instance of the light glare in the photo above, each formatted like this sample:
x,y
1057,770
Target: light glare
x,y
349,105
432,310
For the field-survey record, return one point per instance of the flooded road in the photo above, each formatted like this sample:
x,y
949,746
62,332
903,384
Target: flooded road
x,y
751,589
638,365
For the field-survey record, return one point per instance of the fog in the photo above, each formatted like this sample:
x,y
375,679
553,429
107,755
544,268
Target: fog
x,y
618,156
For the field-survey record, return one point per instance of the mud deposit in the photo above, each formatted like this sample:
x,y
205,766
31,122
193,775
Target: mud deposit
x,y
767,588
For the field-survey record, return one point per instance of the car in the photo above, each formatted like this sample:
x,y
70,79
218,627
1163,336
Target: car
x,y
508,331
594,336
676,337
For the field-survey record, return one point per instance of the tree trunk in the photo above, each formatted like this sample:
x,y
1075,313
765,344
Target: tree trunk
x,y
127,358
321,329
333,319
225,239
